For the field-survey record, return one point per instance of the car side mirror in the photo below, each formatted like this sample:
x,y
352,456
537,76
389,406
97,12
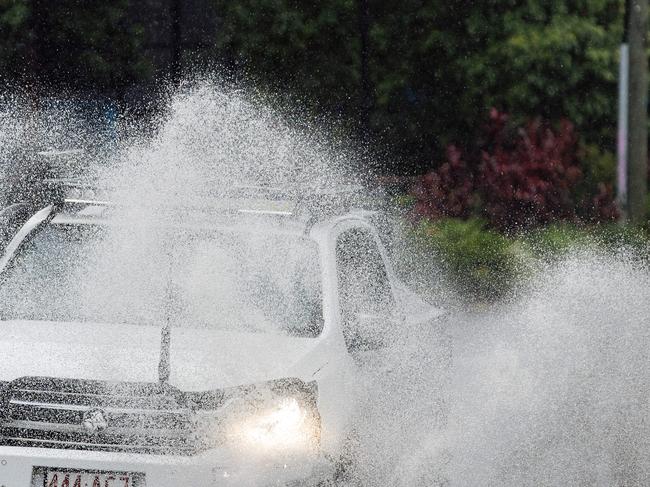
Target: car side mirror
x,y
369,331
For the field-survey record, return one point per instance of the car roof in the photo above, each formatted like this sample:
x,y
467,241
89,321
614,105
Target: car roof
x,y
286,210
94,214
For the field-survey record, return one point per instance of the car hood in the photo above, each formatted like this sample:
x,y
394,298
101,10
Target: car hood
x,y
200,359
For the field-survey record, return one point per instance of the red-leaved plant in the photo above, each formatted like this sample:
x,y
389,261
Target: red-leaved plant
x,y
447,191
516,178
528,179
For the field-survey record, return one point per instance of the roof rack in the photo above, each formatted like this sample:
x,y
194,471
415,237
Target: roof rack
x,y
300,202
61,152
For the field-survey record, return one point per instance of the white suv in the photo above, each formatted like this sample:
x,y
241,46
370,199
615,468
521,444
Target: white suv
x,y
217,346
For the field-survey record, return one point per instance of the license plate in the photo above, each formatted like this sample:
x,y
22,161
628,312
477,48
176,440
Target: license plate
x,y
61,477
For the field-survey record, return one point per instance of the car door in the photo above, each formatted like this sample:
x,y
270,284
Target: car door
x,y
398,343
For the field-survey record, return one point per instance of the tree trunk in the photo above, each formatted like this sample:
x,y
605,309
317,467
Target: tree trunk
x,y
366,87
638,114
176,46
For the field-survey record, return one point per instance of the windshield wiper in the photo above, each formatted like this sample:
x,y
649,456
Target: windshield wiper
x,y
163,365
172,296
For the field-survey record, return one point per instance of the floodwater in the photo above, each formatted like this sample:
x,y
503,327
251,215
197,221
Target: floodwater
x,y
548,389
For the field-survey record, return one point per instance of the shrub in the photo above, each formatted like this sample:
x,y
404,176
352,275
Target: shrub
x,y
516,178
481,263
595,193
446,192
527,179
555,240
629,238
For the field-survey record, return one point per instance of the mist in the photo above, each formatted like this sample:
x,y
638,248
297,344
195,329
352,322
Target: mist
x,y
550,387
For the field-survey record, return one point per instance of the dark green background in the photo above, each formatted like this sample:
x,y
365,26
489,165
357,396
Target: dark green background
x,y
434,67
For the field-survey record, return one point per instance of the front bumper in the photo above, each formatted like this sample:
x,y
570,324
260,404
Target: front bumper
x,y
213,468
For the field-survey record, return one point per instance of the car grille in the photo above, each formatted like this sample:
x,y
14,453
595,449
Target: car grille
x,y
140,418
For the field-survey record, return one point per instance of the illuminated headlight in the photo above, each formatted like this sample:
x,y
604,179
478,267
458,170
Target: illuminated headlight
x,y
287,426
276,417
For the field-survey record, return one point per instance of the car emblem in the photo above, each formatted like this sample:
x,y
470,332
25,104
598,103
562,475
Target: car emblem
x,y
94,421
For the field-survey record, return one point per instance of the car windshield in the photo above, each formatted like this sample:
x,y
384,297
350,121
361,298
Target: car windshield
x,y
229,280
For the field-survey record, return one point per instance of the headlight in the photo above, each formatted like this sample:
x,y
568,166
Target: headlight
x,y
286,426
275,417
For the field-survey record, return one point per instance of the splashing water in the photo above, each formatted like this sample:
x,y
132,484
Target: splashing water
x,y
218,137
554,389
550,389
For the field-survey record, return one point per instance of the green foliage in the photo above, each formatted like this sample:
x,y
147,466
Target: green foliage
x,y
482,263
308,48
632,239
599,166
70,44
555,240
14,15
437,66
550,58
